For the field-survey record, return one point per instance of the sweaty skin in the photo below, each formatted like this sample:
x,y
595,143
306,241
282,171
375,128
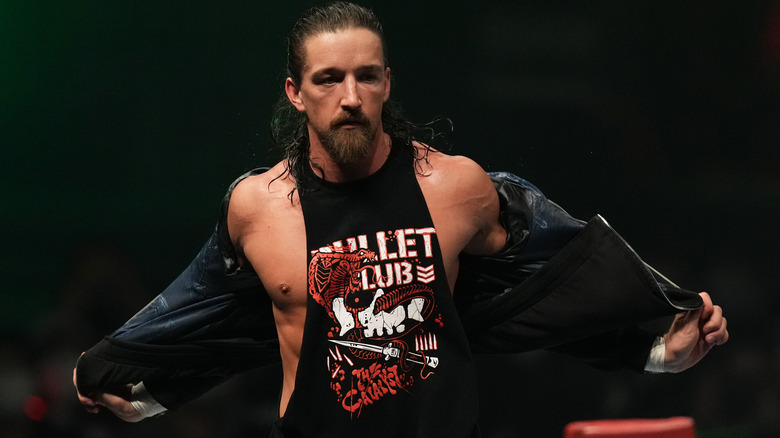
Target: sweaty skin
x,y
262,220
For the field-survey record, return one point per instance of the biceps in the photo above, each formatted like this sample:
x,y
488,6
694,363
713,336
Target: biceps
x,y
490,237
487,241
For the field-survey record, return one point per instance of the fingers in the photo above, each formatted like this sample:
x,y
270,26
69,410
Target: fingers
x,y
720,336
715,330
706,309
110,401
119,406
685,322
89,404
692,317
713,323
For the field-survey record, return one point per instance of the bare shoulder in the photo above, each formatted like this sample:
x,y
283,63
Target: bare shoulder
x,y
258,196
463,202
459,172
268,186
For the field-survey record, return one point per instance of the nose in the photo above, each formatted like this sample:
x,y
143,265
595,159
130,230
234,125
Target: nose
x,y
350,99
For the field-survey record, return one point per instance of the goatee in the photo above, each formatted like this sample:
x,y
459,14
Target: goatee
x,y
348,146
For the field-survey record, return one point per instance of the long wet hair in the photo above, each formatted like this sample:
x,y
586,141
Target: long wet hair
x,y
288,125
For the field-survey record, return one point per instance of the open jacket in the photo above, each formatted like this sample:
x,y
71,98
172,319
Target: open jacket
x,y
559,283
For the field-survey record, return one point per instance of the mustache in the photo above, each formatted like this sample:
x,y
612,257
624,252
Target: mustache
x,y
350,117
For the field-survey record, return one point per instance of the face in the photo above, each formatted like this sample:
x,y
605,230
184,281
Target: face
x,y
343,88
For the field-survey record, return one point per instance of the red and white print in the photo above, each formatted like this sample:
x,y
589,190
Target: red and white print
x,y
384,314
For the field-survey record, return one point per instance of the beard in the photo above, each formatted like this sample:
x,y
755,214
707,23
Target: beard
x,y
348,146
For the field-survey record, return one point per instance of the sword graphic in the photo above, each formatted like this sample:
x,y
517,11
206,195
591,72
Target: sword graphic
x,y
389,352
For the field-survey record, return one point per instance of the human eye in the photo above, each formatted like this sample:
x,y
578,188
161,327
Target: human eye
x,y
368,78
326,77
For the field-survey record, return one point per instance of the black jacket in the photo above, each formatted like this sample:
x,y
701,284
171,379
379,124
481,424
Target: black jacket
x,y
559,283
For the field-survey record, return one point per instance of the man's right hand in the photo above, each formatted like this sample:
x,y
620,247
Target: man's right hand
x,y
119,406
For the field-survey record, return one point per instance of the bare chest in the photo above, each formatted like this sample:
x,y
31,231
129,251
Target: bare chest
x,y
276,249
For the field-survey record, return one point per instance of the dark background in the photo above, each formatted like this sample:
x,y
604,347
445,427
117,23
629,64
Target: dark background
x,y
122,123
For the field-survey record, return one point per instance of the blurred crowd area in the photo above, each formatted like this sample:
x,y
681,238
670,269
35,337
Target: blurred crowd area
x,y
665,120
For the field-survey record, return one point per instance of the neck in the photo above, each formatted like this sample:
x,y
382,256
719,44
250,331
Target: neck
x,y
329,170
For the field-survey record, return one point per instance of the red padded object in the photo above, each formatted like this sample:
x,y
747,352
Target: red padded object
x,y
674,427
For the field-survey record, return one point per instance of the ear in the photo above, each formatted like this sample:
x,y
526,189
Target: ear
x,y
387,84
294,94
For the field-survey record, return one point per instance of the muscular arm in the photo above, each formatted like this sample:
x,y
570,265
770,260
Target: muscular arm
x,y
210,299
464,206
268,232
491,235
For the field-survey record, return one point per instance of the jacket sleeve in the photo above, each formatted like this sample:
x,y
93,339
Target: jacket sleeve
x,y
624,348
213,321
563,284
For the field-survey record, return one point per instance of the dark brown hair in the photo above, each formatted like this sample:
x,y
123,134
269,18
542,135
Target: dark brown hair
x,y
288,125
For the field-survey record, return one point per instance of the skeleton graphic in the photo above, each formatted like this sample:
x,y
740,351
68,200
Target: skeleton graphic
x,y
335,283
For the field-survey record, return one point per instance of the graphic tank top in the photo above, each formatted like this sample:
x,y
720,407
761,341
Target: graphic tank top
x,y
383,352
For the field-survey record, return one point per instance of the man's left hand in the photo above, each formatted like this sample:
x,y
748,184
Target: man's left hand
x,y
693,334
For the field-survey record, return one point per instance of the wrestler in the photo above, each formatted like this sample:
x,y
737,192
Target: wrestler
x,y
356,238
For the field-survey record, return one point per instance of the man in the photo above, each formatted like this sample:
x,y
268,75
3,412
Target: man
x,y
357,239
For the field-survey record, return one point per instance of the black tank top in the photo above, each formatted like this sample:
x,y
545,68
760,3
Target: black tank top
x,y
383,352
